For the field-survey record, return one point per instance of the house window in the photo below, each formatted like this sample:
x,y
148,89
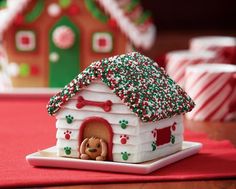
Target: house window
x,y
102,42
25,41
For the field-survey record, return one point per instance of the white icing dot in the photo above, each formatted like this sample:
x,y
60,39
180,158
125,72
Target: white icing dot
x,y
54,57
13,69
54,10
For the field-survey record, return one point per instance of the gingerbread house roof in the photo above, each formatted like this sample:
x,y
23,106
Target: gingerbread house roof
x,y
137,80
135,29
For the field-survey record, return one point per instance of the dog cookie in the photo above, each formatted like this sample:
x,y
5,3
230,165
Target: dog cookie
x,y
93,148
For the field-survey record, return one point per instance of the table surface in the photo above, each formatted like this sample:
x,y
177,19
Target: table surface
x,y
214,130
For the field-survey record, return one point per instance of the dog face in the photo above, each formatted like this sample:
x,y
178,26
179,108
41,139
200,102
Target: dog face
x,y
93,148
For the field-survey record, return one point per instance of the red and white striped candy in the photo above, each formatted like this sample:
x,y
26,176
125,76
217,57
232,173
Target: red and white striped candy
x,y
63,37
178,61
213,89
225,47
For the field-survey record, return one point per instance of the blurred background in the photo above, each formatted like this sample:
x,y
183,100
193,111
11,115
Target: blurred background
x,y
101,29
178,21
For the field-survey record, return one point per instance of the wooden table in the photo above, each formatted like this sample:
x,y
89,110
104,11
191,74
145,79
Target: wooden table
x,y
214,130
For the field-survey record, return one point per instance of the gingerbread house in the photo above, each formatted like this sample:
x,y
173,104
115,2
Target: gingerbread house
x,y
55,38
129,102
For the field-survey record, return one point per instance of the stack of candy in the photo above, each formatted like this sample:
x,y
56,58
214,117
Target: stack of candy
x,y
178,61
224,47
207,76
213,89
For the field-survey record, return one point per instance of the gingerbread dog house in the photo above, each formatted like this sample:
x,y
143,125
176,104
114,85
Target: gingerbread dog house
x,y
53,40
129,102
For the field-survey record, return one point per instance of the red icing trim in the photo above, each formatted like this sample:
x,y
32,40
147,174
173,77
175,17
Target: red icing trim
x,y
108,126
106,106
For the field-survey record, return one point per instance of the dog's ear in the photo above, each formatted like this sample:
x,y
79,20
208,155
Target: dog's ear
x,y
83,146
104,148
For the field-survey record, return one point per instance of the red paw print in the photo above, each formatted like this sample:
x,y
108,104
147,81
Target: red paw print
x,y
123,139
67,134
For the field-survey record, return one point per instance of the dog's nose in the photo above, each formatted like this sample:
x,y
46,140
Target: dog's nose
x,y
92,150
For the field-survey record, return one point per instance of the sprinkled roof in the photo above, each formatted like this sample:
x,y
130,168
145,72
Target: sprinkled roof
x,y
137,80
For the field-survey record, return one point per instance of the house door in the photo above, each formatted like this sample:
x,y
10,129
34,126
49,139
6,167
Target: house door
x,y
97,127
63,53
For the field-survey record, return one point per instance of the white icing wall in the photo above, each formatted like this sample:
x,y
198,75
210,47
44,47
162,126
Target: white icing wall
x,y
140,136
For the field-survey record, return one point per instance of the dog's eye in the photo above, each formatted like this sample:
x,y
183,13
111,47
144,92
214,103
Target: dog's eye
x,y
87,145
98,145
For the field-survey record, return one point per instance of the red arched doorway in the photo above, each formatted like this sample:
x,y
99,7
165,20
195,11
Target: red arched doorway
x,y
97,127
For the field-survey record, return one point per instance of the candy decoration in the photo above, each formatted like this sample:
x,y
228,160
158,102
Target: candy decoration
x,y
67,134
64,3
112,23
123,139
69,119
172,139
34,70
102,42
95,11
54,10
73,10
137,81
132,20
178,61
154,146
213,88
144,17
67,150
24,70
224,47
36,12
131,6
13,69
125,155
63,37
19,20
81,102
54,57
25,40
123,123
